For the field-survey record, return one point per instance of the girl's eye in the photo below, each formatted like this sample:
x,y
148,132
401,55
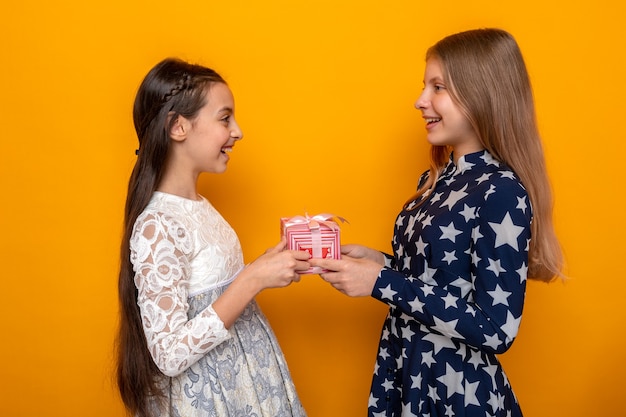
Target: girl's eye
x,y
439,87
226,119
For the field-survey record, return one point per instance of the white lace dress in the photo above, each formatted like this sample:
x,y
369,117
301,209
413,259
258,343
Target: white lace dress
x,y
184,255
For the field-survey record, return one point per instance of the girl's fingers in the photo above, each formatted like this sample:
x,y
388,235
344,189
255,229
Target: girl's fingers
x,y
279,247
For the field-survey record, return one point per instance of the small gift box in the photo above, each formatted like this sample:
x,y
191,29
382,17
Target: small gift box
x,y
318,235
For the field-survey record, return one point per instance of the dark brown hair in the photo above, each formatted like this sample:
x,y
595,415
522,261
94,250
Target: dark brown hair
x,y
172,88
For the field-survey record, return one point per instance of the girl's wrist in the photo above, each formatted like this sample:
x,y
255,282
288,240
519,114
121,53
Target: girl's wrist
x,y
249,281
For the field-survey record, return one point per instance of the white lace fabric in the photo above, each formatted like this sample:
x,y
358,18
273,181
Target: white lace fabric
x,y
181,247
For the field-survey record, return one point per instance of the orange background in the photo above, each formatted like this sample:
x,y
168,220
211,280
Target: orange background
x,y
324,94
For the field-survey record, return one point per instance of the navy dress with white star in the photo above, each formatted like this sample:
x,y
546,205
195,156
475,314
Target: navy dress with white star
x,y
455,289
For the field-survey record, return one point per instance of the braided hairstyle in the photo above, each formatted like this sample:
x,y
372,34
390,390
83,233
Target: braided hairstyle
x,y
172,88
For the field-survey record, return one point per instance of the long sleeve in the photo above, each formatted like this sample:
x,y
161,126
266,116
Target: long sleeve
x,y
160,250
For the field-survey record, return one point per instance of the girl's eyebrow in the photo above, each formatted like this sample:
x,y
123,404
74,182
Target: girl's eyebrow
x,y
435,79
225,109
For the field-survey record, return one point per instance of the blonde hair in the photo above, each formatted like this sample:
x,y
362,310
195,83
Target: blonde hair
x,y
487,78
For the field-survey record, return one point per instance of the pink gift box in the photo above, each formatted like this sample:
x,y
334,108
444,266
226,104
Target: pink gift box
x,y
318,235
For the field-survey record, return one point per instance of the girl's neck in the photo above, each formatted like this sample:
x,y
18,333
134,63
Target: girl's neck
x,y
176,186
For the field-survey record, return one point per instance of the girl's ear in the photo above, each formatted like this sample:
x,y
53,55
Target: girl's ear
x,y
180,129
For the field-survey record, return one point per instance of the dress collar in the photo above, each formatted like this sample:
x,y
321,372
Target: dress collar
x,y
468,161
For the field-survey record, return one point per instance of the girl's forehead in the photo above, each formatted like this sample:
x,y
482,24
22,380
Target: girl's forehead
x,y
433,70
219,95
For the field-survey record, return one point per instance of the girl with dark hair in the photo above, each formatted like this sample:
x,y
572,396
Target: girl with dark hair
x,y
192,340
464,245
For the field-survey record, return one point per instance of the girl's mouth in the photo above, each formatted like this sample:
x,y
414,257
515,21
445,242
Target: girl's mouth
x,y
432,120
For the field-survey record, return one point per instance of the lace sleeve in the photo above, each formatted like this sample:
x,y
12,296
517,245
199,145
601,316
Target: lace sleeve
x,y
160,247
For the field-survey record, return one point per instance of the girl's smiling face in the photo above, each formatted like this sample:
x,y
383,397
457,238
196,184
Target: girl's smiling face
x,y
446,124
213,133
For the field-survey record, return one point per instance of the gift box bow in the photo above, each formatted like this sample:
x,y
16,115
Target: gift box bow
x,y
313,222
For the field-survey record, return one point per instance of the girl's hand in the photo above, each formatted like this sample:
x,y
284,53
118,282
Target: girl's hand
x,y
363,252
353,276
278,267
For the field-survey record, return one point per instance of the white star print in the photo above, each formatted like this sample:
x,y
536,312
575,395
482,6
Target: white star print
x,y
489,159
464,165
507,174
428,221
400,221
491,371
483,178
388,384
372,401
410,228
439,342
427,289
501,402
450,301
494,265
388,293
475,359
492,341
436,197
453,381
427,358
417,380
507,384
491,190
506,232
450,232
523,272
475,258
476,234
462,351
454,197
416,305
407,262
383,353
432,393
447,327
449,412
468,212
463,285
407,333
521,204
493,401
421,246
406,410
470,393
470,310
449,257
427,276
499,296
385,334
511,326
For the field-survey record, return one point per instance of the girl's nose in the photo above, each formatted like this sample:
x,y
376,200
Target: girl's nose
x,y
236,132
421,102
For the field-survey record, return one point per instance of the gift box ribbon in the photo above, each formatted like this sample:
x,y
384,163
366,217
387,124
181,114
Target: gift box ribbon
x,y
313,224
